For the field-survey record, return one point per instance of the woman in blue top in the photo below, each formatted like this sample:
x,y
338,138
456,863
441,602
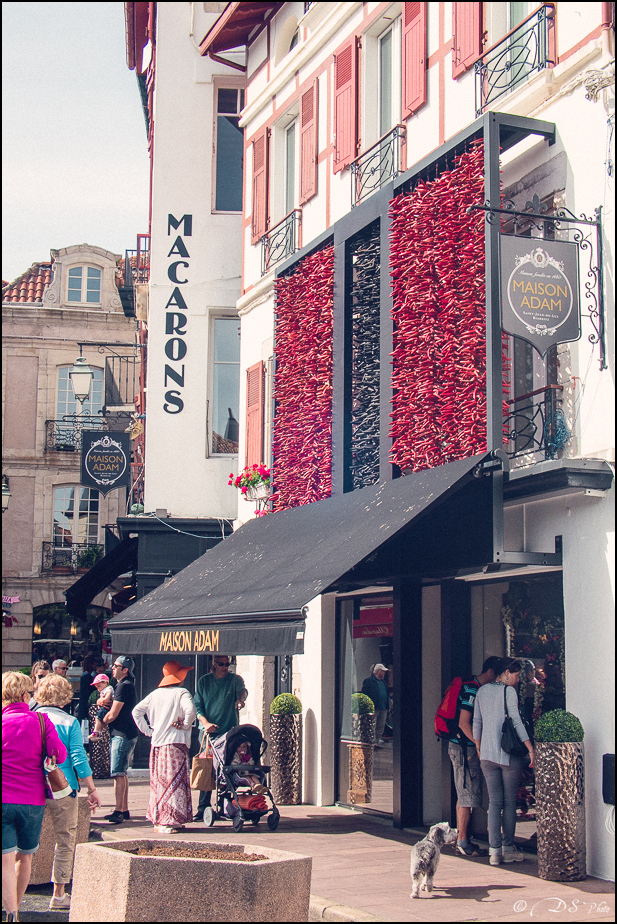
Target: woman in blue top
x,y
502,771
52,694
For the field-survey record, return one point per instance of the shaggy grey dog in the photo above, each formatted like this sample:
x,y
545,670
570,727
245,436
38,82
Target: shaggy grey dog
x,y
425,856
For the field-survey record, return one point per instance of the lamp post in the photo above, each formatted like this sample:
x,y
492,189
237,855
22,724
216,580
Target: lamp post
x,y
81,376
6,495
73,631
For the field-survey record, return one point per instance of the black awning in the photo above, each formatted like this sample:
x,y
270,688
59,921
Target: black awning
x,y
270,568
122,558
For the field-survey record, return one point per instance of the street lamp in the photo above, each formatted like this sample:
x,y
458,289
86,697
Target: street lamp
x,y
81,376
6,495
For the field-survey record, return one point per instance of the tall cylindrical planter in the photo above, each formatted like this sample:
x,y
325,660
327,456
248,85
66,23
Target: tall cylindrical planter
x,y
361,758
560,811
363,727
285,759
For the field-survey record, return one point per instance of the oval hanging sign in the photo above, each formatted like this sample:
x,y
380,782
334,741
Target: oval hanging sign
x,y
105,460
539,283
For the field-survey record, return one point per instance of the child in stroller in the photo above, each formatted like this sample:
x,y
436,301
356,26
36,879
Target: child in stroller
x,y
236,760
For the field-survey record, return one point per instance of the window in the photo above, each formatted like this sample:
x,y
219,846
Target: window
x,y
290,167
226,386
385,82
65,400
229,150
76,516
84,285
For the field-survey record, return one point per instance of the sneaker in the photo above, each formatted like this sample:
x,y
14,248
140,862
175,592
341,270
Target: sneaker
x,y
495,859
471,850
198,816
116,818
512,855
63,902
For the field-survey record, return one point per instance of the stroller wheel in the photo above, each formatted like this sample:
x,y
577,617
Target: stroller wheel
x,y
273,820
208,816
238,823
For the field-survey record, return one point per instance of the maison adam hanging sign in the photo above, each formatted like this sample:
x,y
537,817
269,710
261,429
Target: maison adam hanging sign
x,y
105,458
539,291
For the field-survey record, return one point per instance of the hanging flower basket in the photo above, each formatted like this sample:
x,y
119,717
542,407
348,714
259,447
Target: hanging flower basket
x,y
253,482
257,491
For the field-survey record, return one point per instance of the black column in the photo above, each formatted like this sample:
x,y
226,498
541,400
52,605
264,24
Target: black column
x,y
407,658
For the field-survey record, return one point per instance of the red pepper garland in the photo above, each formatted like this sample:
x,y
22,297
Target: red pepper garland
x,y
302,442
439,356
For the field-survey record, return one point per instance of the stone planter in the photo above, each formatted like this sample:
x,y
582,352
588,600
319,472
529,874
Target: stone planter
x,y
43,859
285,758
560,811
360,773
363,727
257,492
110,883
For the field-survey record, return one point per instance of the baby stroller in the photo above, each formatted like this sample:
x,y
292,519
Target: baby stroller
x,y
228,796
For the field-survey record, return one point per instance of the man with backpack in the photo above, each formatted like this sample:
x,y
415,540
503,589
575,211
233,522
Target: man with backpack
x,y
453,721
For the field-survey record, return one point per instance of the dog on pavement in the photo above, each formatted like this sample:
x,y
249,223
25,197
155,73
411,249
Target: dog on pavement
x,y
425,856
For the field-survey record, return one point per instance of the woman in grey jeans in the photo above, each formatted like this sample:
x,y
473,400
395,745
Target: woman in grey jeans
x,y
502,771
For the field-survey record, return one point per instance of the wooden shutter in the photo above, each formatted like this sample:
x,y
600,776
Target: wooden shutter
x,y
345,104
254,414
259,206
414,57
308,143
467,40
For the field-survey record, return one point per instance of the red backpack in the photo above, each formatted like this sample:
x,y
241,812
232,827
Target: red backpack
x,y
446,717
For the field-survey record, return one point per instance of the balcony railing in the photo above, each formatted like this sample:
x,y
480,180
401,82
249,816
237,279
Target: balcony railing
x,y
536,423
377,165
136,270
65,435
70,557
507,64
281,241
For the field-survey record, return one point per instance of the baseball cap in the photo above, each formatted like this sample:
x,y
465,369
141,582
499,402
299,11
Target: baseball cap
x,y
100,678
380,667
126,662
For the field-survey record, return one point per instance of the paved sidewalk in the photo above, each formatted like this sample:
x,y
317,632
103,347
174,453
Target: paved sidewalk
x,y
361,869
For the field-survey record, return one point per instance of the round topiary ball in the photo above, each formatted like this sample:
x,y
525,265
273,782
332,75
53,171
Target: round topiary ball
x,y
558,725
361,704
285,704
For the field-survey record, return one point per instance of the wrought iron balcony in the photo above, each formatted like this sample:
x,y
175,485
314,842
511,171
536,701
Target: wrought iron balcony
x,y
136,270
70,557
281,241
525,50
65,435
537,423
377,165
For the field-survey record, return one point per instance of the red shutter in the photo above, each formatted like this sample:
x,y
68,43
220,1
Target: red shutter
x,y
254,414
259,207
414,57
345,105
308,143
467,41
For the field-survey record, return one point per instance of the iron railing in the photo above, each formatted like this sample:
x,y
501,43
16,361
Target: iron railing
x,y
537,423
65,435
70,557
377,165
281,241
507,64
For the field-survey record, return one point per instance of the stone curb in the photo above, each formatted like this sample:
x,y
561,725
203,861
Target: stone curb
x,y
323,909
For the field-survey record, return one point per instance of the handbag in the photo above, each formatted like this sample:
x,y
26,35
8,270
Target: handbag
x,y
202,770
56,784
510,741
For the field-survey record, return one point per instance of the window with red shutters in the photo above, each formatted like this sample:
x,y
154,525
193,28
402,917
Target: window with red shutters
x,y
414,57
345,104
308,143
467,36
254,414
259,208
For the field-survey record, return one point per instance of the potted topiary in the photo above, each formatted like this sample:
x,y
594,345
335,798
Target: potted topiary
x,y
560,797
361,751
285,756
362,718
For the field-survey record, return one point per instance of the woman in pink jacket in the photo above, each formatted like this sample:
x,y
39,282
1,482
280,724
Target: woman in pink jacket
x,y
23,785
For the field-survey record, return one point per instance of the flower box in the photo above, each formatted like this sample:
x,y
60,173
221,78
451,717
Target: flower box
x,y
257,492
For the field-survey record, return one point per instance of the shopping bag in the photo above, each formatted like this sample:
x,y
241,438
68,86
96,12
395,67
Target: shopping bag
x,y
202,771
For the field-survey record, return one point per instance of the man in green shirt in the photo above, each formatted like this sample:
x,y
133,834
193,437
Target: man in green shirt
x,y
218,697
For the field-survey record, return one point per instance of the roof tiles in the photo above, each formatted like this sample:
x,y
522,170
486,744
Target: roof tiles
x,y
28,288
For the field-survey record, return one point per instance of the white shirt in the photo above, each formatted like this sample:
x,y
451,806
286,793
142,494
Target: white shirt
x,y
163,707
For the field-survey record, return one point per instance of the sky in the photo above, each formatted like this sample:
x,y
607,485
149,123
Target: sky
x,y
75,157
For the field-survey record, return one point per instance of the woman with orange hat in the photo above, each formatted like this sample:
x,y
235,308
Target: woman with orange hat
x,y
166,715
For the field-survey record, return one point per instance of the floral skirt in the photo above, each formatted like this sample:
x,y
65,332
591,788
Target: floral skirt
x,y
170,791
98,750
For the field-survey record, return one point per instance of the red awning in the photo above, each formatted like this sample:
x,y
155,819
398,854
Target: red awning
x,y
235,26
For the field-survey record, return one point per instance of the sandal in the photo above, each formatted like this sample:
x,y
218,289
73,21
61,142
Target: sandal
x,y
166,829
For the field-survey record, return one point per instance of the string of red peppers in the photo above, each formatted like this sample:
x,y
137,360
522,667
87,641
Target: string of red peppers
x,y
439,355
302,439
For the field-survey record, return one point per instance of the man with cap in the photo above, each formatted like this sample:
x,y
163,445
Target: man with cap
x,y
166,715
124,734
376,688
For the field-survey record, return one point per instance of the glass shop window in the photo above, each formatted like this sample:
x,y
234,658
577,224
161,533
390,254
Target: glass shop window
x,y
229,144
226,386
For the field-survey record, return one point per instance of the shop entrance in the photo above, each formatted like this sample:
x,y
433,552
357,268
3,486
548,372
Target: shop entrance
x,y
365,745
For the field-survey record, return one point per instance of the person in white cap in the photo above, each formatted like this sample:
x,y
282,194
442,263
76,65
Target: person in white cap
x,y
376,688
